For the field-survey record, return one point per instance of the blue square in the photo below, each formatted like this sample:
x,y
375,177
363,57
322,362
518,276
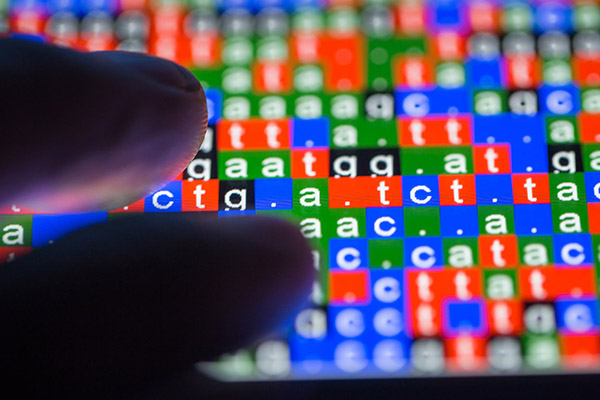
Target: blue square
x,y
533,219
347,322
72,6
459,221
108,6
214,104
493,189
348,254
167,199
49,228
387,287
235,213
484,73
463,318
509,128
310,133
420,191
530,157
559,100
573,249
273,194
553,16
423,252
445,15
578,316
592,187
385,222
432,101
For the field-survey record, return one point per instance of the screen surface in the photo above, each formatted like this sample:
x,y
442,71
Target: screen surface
x,y
442,157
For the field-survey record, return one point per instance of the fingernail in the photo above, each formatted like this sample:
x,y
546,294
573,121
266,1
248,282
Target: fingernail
x,y
158,69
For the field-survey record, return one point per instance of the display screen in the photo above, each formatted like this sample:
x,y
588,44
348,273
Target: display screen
x,y
442,157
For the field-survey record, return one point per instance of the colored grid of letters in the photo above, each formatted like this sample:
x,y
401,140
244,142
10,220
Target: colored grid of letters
x,y
443,158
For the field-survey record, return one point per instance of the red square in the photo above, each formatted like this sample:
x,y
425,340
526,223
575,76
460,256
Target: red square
x,y
483,16
11,253
498,251
492,159
449,45
594,217
587,70
137,207
589,127
253,134
466,354
505,317
425,320
410,17
272,77
200,195
364,191
531,189
343,62
413,71
310,163
580,352
306,48
205,50
435,131
348,287
523,72
457,190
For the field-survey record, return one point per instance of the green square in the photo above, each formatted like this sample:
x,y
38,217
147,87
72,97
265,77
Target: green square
x,y
310,194
237,107
236,80
345,223
591,157
272,48
308,20
422,221
566,189
308,105
590,100
535,250
440,160
344,133
461,252
343,20
208,77
377,133
386,253
557,72
15,230
237,51
270,107
596,249
570,218
450,75
308,78
490,102
500,284
344,106
245,165
496,220
562,130
517,17
587,16
379,72
541,352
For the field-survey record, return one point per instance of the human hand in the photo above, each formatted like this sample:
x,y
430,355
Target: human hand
x,y
114,306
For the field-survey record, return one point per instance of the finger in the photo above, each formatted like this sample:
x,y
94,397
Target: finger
x,y
142,297
92,131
